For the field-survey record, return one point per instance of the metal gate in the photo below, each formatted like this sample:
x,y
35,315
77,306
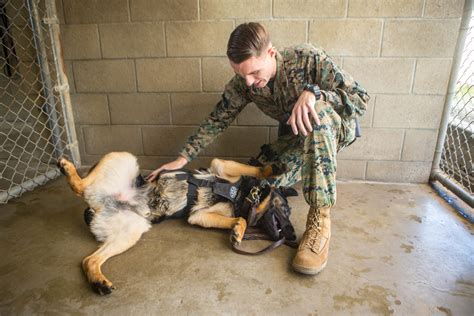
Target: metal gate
x,y
453,165
36,125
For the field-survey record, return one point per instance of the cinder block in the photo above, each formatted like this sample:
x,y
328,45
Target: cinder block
x,y
104,76
235,9
419,145
216,73
146,10
90,108
80,41
420,38
150,163
238,142
342,37
375,144
432,76
444,8
93,11
165,141
408,111
309,8
192,108
398,171
139,108
385,8
132,40
285,33
103,139
273,134
351,169
198,38
170,74
366,120
251,115
396,76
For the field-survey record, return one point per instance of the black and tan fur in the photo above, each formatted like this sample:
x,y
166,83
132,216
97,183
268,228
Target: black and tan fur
x,y
123,212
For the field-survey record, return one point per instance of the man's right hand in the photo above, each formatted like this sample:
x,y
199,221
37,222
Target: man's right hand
x,y
179,163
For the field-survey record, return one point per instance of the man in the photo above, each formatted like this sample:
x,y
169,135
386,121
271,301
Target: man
x,y
301,87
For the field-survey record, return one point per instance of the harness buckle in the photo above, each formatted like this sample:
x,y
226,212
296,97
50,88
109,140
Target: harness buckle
x,y
254,196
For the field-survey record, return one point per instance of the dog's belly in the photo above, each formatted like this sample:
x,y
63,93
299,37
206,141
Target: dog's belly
x,y
113,225
114,179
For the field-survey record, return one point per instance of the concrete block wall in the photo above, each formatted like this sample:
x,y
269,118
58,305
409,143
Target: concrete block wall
x,y
144,73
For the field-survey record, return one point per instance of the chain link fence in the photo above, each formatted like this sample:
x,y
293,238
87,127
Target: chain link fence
x,y
455,167
35,125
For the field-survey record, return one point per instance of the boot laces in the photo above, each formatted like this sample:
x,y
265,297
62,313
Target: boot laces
x,y
314,228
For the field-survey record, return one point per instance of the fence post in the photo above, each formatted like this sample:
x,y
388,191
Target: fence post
x,y
63,85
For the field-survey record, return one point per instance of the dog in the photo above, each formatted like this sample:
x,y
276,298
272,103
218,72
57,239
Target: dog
x,y
122,208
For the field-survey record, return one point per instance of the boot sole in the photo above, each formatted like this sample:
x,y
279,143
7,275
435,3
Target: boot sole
x,y
309,271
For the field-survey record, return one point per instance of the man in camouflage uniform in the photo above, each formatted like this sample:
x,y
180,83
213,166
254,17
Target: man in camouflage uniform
x,y
304,89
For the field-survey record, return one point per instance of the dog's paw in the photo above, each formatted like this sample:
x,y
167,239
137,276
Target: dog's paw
x,y
102,287
238,232
64,165
273,170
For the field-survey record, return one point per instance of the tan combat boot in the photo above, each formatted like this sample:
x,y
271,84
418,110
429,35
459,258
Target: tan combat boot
x,y
312,254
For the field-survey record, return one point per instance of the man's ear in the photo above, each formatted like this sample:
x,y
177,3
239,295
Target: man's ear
x,y
271,50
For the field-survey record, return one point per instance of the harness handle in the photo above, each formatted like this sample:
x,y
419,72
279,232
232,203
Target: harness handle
x,y
257,234
261,251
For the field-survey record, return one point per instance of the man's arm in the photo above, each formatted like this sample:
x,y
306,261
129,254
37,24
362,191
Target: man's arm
x,y
233,100
339,89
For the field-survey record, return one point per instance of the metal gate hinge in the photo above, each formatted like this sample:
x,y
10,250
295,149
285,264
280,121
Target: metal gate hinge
x,y
61,88
51,20
74,144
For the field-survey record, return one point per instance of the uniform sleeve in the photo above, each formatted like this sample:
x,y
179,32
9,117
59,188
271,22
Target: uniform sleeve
x,y
233,101
344,94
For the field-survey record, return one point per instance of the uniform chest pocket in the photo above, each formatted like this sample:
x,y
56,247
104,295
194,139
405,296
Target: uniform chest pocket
x,y
293,92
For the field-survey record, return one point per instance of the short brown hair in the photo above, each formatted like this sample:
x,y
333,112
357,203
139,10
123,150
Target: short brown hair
x,y
247,40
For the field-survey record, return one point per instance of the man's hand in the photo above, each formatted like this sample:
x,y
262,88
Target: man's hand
x,y
300,116
180,162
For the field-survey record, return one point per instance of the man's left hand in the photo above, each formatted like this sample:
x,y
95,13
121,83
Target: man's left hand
x,y
302,111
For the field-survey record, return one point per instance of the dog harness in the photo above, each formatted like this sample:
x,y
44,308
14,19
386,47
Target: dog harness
x,y
245,195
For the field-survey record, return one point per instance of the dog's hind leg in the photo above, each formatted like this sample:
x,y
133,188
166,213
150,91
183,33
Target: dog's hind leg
x,y
121,231
232,170
218,216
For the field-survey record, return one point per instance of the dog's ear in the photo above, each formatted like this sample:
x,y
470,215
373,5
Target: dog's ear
x,y
287,191
278,169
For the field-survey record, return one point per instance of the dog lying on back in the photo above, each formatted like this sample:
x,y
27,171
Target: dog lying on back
x,y
121,209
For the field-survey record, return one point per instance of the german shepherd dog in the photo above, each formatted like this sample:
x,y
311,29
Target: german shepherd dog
x,y
122,211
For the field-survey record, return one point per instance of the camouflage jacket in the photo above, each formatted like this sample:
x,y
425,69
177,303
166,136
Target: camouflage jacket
x,y
296,67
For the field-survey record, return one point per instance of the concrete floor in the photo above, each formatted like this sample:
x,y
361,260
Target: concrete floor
x,y
396,249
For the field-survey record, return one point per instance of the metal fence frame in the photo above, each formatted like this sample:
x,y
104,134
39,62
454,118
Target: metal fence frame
x,y
443,170
55,103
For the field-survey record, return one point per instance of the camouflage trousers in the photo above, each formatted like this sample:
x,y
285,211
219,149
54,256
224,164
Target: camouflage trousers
x,y
312,158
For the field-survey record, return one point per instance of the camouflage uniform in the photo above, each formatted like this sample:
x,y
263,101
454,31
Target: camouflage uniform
x,y
311,158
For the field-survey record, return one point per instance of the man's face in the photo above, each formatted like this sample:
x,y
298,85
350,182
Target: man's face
x,y
257,71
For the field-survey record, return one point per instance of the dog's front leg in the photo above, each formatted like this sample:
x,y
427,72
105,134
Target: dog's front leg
x,y
215,220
